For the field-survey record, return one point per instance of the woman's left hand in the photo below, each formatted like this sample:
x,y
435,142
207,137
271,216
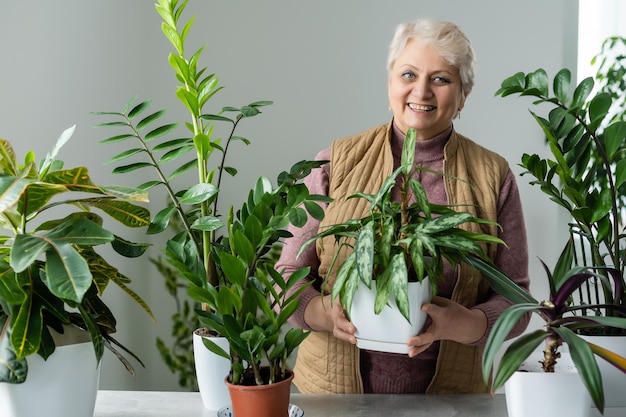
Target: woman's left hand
x,y
448,320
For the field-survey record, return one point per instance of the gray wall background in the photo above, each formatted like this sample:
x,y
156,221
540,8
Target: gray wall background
x,y
321,62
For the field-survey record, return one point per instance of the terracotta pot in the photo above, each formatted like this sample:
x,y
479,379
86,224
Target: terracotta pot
x,y
261,400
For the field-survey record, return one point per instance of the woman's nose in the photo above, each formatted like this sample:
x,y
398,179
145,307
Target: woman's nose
x,y
421,88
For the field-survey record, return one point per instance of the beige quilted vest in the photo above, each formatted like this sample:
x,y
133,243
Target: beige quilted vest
x,y
361,163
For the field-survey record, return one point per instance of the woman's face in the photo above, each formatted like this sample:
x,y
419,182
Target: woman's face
x,y
424,91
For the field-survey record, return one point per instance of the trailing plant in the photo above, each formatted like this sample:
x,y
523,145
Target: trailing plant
x,y
577,127
51,273
398,242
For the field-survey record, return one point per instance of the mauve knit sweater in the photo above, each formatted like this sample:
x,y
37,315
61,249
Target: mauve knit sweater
x,y
397,373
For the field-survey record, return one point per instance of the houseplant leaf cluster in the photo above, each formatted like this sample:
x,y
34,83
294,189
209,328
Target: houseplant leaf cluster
x,y
401,241
199,151
227,263
568,177
252,305
586,287
51,271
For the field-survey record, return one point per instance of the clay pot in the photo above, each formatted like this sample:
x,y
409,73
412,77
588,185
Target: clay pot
x,y
261,400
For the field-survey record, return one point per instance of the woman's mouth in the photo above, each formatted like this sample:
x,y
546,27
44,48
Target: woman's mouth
x,y
421,107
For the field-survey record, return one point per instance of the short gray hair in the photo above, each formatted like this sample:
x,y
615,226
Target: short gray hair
x,y
448,41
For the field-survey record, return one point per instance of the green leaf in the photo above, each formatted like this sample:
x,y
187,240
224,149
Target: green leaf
x,y
517,353
501,330
620,173
149,120
364,252
27,327
585,363
561,84
207,224
614,138
408,151
67,273
139,108
598,109
581,92
160,131
234,269
199,193
399,282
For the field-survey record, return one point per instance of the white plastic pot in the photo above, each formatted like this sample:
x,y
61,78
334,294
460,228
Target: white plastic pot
x,y
389,330
64,385
531,392
211,370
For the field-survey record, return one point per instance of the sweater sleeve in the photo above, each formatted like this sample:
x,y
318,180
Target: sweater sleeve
x,y
512,260
317,182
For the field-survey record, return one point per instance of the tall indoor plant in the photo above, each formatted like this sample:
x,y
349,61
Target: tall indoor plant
x,y
53,276
198,252
587,292
394,245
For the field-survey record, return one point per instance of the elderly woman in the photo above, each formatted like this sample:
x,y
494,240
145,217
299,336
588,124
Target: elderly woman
x,y
431,70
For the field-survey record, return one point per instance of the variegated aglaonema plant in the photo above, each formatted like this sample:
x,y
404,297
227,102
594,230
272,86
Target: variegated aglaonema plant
x,y
399,242
51,273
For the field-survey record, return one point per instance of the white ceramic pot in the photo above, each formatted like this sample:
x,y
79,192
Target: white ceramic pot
x,y
389,330
613,380
211,370
531,392
64,385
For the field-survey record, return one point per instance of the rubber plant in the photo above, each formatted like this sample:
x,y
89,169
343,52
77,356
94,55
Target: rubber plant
x,y
51,273
398,242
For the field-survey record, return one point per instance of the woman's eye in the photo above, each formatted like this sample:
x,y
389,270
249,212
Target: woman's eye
x,y
441,80
408,75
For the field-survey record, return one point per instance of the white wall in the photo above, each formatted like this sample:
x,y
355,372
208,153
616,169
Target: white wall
x,y
322,63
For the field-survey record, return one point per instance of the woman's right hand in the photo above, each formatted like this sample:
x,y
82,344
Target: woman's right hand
x,y
322,315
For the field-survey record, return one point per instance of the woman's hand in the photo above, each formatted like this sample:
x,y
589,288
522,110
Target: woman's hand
x,y
448,320
322,315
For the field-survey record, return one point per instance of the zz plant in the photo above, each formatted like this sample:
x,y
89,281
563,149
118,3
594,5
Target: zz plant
x,y
251,307
577,128
228,266
51,273
191,211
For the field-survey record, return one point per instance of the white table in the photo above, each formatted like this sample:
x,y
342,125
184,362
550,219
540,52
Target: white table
x,y
189,404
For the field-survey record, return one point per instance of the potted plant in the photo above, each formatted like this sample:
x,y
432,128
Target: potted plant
x,y
561,322
199,251
53,278
250,307
586,143
592,256
396,257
